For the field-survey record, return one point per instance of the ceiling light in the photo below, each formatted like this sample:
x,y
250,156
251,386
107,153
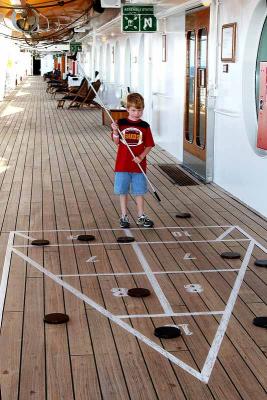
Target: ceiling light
x,y
16,3
206,3
26,20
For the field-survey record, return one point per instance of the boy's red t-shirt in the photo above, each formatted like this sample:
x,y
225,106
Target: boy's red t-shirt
x,y
138,135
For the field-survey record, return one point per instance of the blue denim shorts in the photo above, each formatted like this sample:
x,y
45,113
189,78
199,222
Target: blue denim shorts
x,y
130,182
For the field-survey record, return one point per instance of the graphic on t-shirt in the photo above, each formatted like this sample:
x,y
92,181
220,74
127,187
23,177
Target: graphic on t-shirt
x,y
137,135
132,136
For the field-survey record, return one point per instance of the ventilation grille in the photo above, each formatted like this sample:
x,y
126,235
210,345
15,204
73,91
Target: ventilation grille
x,y
177,176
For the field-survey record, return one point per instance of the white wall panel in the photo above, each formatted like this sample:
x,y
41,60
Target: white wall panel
x,y
238,167
47,64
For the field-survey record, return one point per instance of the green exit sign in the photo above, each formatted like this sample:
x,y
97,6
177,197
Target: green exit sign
x,y
138,19
75,46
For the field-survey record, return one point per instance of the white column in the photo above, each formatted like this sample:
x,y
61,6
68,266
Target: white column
x,y
3,66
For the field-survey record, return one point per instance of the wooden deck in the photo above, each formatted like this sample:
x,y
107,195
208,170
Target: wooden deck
x,y
56,173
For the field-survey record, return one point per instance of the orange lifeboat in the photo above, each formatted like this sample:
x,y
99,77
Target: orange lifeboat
x,y
45,21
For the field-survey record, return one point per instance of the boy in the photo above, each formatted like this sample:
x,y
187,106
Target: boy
x,y
128,176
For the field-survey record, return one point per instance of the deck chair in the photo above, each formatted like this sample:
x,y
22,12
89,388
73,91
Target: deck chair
x,y
62,87
62,84
47,75
54,83
81,90
88,100
55,79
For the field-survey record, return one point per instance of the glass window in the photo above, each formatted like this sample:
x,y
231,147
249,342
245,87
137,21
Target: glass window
x,y
191,45
202,87
262,56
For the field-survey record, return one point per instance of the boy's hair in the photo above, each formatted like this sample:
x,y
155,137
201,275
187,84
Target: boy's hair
x,y
135,100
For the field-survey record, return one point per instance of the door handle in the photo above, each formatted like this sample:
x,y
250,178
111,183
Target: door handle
x,y
202,81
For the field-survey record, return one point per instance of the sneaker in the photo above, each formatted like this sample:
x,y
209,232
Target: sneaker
x,y
145,221
124,222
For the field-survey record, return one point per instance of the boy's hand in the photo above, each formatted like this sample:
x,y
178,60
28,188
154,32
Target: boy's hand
x,y
116,139
114,127
115,133
137,159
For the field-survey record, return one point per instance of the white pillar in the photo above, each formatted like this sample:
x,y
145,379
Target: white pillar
x,y
3,66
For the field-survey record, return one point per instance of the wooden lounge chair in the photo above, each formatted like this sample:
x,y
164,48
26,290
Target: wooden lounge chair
x,y
81,90
54,79
62,84
88,100
60,88
47,75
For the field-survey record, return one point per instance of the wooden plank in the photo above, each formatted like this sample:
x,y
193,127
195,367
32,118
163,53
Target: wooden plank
x,y
33,345
10,354
86,384
60,176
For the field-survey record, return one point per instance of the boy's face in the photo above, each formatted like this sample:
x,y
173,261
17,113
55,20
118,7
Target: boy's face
x,y
135,113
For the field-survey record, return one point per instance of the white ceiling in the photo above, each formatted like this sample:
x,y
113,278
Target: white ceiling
x,y
107,25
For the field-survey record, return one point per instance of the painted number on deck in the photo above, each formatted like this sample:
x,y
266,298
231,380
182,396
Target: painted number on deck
x,y
92,259
180,234
72,237
189,257
119,292
194,288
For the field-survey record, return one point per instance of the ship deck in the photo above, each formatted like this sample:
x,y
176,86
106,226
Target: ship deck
x,y
56,182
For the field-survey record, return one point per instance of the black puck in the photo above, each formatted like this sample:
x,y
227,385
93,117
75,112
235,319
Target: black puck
x,y
260,321
167,332
261,263
85,238
56,318
231,255
125,239
40,242
183,215
139,292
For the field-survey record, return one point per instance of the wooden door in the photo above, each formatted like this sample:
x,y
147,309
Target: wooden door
x,y
197,30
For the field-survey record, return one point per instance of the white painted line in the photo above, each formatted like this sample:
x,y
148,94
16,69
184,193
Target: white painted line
x,y
213,352
5,274
185,314
24,236
121,229
112,317
251,238
127,244
155,273
222,236
150,276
